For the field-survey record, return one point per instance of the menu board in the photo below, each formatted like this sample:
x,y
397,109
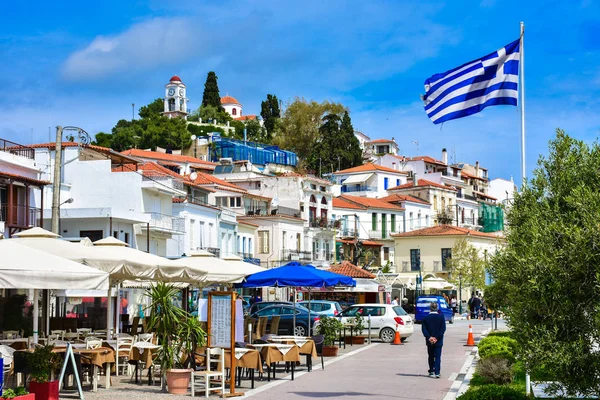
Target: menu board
x,y
220,321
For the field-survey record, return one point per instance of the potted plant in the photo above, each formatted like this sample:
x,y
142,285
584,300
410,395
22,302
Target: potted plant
x,y
18,394
165,319
43,363
191,336
358,323
329,328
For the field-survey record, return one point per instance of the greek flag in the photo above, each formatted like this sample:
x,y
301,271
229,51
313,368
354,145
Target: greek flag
x,y
488,81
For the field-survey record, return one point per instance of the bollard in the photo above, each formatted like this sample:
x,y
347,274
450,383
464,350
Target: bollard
x,y
369,329
250,333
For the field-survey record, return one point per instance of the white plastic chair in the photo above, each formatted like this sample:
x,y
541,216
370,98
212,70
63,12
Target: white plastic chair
x,y
202,379
70,336
59,332
123,352
10,334
84,331
146,337
93,344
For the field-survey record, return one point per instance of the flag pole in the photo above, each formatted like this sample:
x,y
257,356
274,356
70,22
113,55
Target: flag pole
x,y
522,76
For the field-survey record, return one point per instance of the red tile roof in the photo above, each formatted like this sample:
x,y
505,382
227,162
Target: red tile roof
x,y
364,242
229,100
341,203
246,118
351,270
404,197
381,141
445,230
151,168
207,179
154,155
484,195
178,200
246,223
421,183
368,202
370,167
465,174
427,159
24,179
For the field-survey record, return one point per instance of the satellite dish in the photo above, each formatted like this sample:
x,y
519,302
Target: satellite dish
x,y
193,176
275,203
193,137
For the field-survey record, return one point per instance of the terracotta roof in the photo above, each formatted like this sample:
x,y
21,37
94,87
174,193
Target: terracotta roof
x,y
207,179
367,168
369,202
246,223
246,118
465,174
52,145
153,169
178,200
229,100
364,242
427,159
175,78
381,141
154,155
351,270
445,230
341,203
484,195
421,183
404,197
24,179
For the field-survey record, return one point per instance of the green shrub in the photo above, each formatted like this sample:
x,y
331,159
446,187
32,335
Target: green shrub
x,y
492,392
498,346
500,334
495,370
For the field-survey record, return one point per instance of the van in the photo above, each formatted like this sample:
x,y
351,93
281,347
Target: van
x,y
422,308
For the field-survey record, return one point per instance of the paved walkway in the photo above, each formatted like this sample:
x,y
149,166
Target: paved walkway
x,y
382,371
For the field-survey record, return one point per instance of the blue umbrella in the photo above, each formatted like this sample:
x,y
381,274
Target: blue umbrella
x,y
295,274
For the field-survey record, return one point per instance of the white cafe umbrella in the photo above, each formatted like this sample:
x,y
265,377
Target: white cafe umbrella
x,y
219,270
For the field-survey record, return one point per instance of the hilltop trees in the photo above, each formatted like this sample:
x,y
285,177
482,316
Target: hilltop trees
x,y
270,113
211,96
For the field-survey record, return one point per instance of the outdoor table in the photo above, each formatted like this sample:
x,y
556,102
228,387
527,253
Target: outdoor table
x,y
245,358
17,343
306,346
144,352
276,352
96,358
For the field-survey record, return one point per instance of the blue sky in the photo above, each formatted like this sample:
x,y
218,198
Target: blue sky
x,y
85,63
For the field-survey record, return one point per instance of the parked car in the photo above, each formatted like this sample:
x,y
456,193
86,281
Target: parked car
x,y
323,307
384,318
263,304
286,322
422,308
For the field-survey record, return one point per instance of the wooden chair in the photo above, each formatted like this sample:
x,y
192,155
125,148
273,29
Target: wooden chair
x,y
59,332
70,336
274,328
319,340
261,326
247,333
93,344
123,352
214,356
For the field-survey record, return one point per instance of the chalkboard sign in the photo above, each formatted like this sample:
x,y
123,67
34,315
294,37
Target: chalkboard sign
x,y
220,306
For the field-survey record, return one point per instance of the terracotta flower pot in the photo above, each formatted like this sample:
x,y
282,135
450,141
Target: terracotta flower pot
x,y
355,339
178,380
330,351
44,391
29,396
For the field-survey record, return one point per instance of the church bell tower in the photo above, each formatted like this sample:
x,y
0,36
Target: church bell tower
x,y
175,100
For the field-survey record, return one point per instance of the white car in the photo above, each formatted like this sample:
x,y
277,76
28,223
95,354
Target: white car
x,y
384,318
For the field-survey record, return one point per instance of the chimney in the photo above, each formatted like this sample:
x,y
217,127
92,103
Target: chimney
x,y
444,156
477,169
415,180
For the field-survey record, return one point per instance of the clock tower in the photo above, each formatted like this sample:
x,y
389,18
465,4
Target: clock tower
x,y
175,100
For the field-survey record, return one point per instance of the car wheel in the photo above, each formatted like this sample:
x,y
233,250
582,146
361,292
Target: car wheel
x,y
387,335
451,320
300,330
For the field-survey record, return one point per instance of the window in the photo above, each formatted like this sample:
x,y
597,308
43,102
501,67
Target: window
x,y
446,254
233,111
393,223
250,248
427,220
127,237
386,182
322,188
192,234
435,205
386,253
257,185
92,235
202,233
410,221
298,243
374,221
323,200
263,242
210,231
116,234
419,219
283,241
397,182
415,259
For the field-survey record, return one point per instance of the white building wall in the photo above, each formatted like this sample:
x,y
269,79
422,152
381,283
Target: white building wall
x,y
200,229
502,190
230,107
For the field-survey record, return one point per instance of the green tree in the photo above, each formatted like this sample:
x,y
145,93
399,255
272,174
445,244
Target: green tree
x,y
299,128
102,139
466,266
256,133
208,113
152,110
211,95
550,267
352,153
270,113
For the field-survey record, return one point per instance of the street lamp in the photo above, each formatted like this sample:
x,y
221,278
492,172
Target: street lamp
x,y
68,201
460,294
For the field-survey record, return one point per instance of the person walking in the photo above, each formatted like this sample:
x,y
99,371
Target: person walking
x,y
433,327
395,301
453,303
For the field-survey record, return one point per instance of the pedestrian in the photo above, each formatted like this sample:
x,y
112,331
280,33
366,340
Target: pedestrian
x,y
395,301
453,303
476,306
433,327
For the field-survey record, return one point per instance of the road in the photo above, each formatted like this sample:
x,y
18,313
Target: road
x,y
384,371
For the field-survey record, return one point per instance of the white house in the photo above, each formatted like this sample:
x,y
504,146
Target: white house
x,y
368,180
378,147
417,212
234,108
503,190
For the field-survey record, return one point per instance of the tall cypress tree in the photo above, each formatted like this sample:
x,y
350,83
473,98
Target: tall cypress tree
x,y
211,95
352,151
270,113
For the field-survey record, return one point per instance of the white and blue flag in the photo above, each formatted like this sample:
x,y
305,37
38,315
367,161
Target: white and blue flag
x,y
491,80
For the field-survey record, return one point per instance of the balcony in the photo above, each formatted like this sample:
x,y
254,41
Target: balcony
x,y
163,184
296,255
165,223
291,212
323,256
324,223
17,149
213,250
21,216
379,235
346,232
358,188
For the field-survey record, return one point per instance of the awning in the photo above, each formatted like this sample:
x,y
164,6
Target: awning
x,y
437,284
360,178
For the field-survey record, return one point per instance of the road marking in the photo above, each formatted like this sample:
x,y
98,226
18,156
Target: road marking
x,y
317,366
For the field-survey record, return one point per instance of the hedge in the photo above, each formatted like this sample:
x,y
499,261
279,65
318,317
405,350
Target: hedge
x,y
492,392
498,346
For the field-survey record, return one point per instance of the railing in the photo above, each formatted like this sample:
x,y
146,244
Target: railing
x,y
360,188
346,232
165,181
323,255
166,222
296,255
245,255
19,215
379,234
468,221
292,212
324,223
17,149
213,250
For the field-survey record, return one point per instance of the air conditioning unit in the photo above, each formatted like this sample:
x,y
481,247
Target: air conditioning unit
x,y
226,161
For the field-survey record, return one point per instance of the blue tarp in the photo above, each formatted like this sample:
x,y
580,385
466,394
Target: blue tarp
x,y
296,274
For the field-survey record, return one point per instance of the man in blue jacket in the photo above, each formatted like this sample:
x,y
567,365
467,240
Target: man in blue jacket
x,y
433,328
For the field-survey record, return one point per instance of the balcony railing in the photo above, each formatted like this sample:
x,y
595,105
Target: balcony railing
x,y
165,181
213,250
18,149
346,232
296,255
358,188
324,223
167,222
323,256
19,216
379,235
292,212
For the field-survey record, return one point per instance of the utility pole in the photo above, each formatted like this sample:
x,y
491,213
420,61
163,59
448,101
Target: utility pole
x,y
56,180
132,111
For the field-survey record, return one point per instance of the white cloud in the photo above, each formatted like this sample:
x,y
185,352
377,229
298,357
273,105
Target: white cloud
x,y
145,45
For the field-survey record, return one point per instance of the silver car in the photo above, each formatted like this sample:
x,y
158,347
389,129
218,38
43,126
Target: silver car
x,y
384,320
323,307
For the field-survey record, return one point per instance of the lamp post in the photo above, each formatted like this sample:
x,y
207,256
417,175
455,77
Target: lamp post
x,y
460,294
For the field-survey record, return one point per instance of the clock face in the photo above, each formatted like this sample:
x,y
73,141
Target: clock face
x,y
171,91
181,92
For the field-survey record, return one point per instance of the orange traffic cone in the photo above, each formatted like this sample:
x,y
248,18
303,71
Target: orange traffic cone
x,y
470,339
397,339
